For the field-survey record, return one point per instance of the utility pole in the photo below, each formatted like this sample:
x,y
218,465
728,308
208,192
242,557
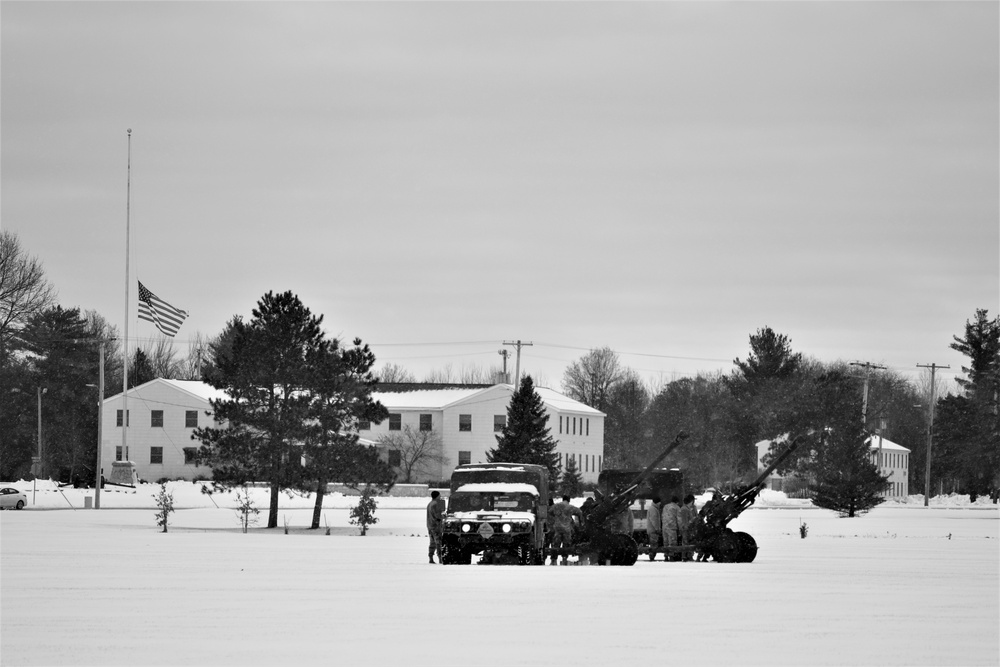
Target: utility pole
x,y
517,366
504,354
868,372
930,432
100,431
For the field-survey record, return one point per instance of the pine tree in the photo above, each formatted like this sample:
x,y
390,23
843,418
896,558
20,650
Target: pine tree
x,y
525,438
846,479
571,481
267,370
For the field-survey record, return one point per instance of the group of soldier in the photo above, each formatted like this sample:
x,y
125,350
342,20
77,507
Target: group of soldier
x,y
670,525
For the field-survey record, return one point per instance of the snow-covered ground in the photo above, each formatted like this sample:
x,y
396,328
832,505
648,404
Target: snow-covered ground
x,y
902,585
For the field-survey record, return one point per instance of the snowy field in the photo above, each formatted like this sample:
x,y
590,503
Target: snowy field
x,y
902,585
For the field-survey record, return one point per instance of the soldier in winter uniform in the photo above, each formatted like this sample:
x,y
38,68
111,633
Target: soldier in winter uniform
x,y
686,519
435,525
670,524
653,527
561,522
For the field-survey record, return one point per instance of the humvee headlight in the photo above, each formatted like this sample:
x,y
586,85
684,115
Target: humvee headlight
x,y
466,527
506,528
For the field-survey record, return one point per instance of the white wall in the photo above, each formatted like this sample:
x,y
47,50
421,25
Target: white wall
x,y
173,436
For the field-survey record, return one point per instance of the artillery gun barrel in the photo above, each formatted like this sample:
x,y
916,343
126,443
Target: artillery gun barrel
x,y
677,442
777,461
610,505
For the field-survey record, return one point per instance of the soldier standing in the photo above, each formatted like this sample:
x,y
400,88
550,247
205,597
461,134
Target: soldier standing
x,y
686,518
653,527
561,519
435,525
670,524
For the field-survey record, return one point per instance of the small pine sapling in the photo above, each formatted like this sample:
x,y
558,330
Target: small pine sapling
x,y
363,514
246,509
803,529
165,501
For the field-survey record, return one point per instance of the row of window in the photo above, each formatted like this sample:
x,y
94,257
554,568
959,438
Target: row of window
x,y
156,418
427,422
156,455
895,489
571,425
892,459
584,462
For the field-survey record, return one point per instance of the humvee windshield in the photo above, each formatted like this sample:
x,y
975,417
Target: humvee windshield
x,y
490,501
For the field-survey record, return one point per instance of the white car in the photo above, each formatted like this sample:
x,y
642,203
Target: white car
x,y
12,499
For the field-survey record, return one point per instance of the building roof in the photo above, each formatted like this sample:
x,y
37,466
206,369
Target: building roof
x,y
408,396
439,397
875,442
195,388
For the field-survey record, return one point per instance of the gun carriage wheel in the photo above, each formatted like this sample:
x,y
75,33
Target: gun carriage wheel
x,y
748,547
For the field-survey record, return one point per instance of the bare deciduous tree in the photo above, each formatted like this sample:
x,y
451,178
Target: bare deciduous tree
x,y
417,450
395,373
590,379
24,290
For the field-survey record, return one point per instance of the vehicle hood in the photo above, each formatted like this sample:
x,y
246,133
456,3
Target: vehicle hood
x,y
492,516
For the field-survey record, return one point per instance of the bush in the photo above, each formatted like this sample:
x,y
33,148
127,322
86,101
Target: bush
x,y
165,501
363,514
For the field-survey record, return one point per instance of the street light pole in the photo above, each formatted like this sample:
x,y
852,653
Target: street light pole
x,y
100,432
38,470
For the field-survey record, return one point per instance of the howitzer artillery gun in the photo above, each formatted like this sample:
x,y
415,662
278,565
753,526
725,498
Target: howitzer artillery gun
x,y
712,535
595,539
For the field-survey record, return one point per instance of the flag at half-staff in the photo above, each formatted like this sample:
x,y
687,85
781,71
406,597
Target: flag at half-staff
x,y
154,309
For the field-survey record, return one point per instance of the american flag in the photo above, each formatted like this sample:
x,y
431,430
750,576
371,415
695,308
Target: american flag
x,y
154,309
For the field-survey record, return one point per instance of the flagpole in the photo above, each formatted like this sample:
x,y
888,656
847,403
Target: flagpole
x,y
128,213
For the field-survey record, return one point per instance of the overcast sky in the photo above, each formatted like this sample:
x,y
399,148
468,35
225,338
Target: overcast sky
x,y
661,178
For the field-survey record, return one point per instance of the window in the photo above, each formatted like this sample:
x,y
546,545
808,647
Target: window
x,y
189,454
574,425
156,418
118,449
465,422
119,423
395,459
190,419
364,425
499,421
588,425
395,422
560,423
425,422
156,455
464,458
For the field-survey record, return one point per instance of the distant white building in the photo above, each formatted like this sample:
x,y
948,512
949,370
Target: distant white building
x,y
468,419
892,459
164,413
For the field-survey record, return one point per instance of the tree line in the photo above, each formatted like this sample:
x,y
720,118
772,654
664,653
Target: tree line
x,y
776,391
773,391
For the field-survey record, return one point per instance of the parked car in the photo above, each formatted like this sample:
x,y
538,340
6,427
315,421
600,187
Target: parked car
x,y
12,499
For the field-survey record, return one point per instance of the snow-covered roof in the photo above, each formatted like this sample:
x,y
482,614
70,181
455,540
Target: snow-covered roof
x,y
441,398
194,388
876,442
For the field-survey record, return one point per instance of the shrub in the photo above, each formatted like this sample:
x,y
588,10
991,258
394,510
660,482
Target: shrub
x,y
165,501
363,514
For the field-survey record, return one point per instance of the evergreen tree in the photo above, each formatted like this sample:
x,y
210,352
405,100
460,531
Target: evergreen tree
x,y
140,370
342,387
571,484
64,360
845,478
267,370
525,438
967,427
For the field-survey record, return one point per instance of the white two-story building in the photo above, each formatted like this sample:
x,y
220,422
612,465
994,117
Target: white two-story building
x,y
465,420
468,418
892,460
